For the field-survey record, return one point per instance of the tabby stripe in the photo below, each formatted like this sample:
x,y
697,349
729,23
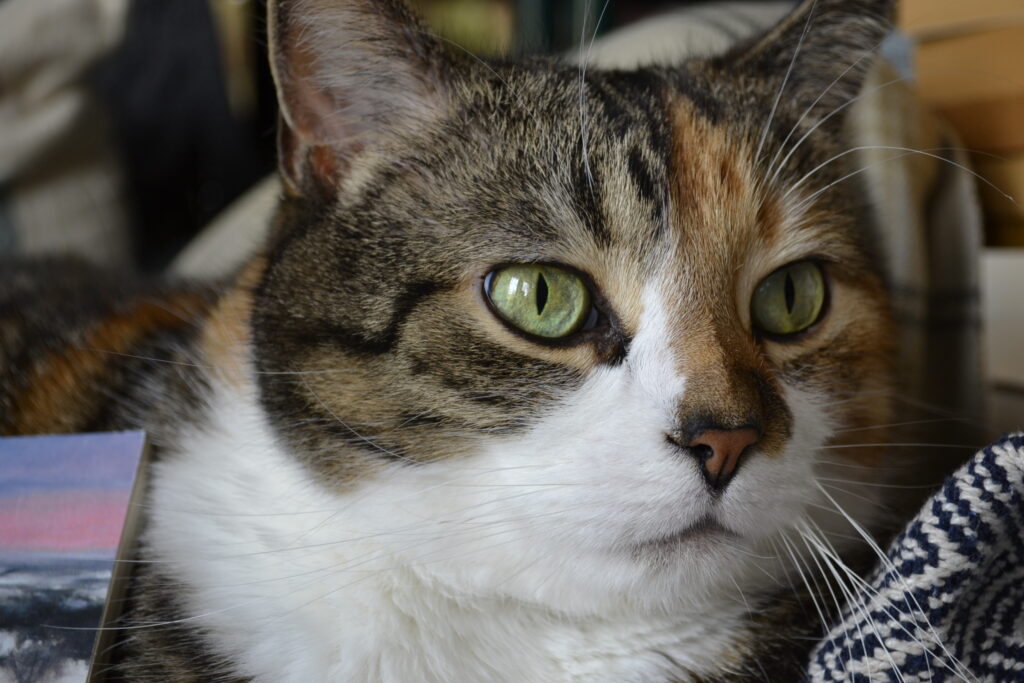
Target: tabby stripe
x,y
696,90
620,115
587,194
362,341
643,178
638,98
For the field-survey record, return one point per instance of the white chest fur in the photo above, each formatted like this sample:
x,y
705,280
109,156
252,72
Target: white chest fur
x,y
291,588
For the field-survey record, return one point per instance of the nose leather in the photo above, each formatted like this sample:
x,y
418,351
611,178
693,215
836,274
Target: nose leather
x,y
726,448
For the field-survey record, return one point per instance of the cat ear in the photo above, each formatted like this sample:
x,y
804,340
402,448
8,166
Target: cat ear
x,y
348,74
822,50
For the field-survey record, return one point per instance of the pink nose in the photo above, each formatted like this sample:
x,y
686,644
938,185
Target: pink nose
x,y
719,452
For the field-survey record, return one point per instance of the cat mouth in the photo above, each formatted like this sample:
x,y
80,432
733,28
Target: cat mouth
x,y
703,530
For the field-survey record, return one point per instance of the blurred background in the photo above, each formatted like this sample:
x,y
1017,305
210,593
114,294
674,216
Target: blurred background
x,y
126,126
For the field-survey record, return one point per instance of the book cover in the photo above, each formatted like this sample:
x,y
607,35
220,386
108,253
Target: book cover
x,y
66,511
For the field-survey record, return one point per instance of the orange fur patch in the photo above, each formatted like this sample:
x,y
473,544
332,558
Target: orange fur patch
x,y
63,387
714,201
226,336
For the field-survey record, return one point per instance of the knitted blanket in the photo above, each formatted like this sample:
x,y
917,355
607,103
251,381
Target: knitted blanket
x,y
948,602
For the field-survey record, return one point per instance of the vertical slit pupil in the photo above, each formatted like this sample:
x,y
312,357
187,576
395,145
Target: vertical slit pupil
x,y
542,294
790,293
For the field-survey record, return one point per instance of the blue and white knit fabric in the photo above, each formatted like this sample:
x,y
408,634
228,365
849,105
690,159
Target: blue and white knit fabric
x,y
948,604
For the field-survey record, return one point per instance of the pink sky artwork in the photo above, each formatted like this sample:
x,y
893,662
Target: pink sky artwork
x,y
63,521
62,494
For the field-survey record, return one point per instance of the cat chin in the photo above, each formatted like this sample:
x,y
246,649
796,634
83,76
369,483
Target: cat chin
x,y
692,577
693,571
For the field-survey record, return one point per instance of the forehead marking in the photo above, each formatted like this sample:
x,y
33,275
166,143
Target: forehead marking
x,y
711,183
653,356
716,223
714,213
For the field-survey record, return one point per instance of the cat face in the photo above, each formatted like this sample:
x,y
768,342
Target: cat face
x,y
579,338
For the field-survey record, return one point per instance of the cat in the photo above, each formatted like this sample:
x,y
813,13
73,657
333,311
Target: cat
x,y
536,378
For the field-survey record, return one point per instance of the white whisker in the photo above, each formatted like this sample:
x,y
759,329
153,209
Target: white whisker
x,y
785,80
774,175
909,150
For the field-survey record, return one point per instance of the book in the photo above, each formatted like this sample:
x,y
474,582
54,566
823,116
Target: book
x,y
68,516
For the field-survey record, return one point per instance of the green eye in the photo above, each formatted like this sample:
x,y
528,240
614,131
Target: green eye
x,y
542,300
790,299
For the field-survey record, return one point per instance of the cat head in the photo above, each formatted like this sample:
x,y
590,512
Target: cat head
x,y
570,335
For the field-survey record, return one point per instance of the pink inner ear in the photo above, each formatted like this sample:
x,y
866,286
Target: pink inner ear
x,y
325,165
311,166
349,73
312,143
310,109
